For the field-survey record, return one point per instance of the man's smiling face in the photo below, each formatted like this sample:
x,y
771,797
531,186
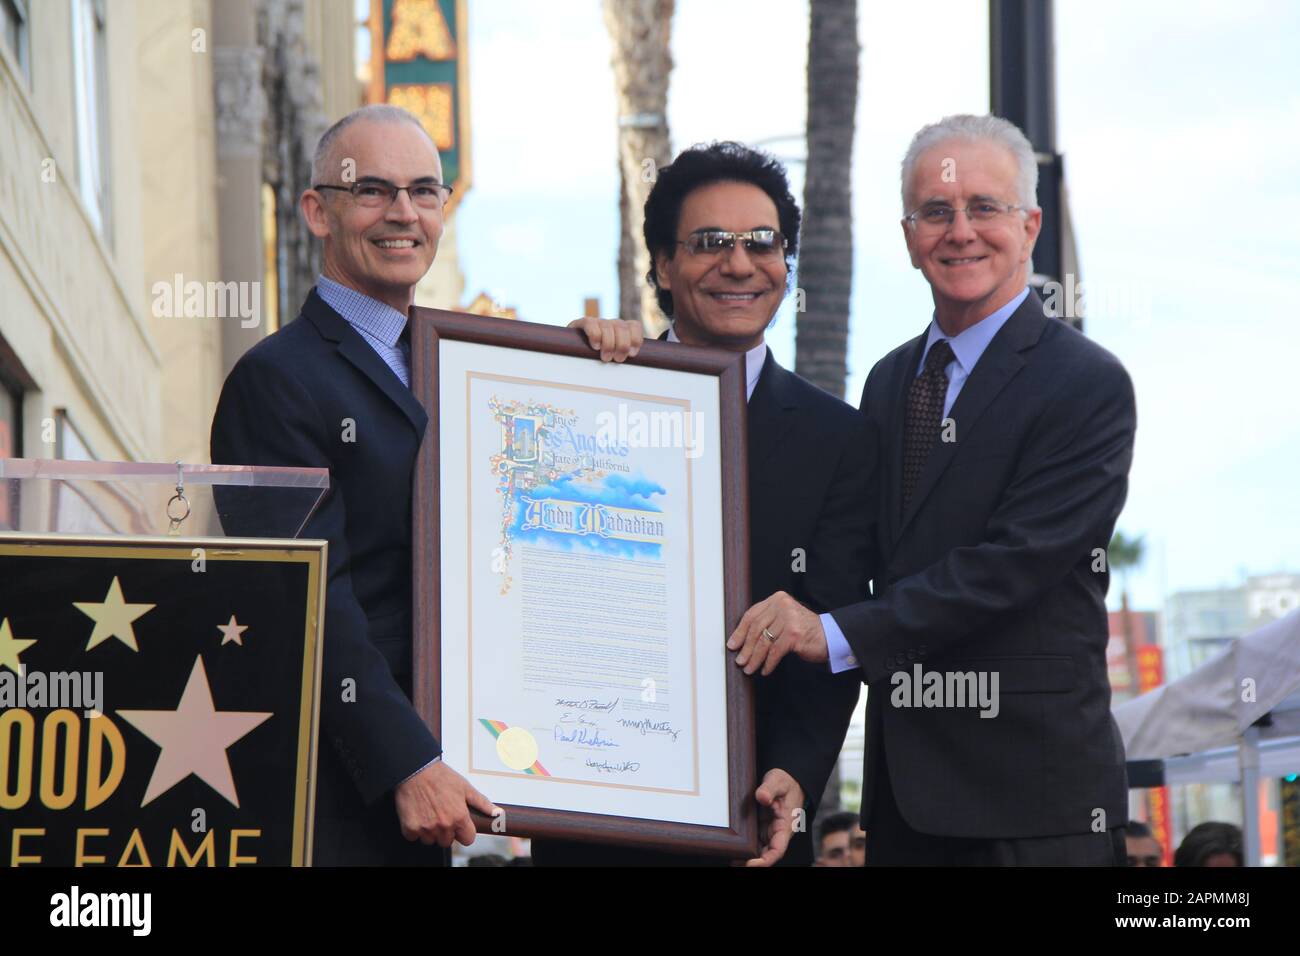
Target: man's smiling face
x,y
381,252
970,266
725,298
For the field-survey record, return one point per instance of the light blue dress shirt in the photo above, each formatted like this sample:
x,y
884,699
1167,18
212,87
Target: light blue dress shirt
x,y
379,324
967,347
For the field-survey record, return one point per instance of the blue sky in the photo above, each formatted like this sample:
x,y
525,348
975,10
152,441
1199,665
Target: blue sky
x,y
1180,126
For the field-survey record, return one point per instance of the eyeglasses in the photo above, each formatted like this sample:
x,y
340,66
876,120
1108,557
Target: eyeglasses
x,y
937,216
376,193
759,243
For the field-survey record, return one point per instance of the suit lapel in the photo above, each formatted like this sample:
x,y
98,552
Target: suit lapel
x,y
771,412
994,370
357,350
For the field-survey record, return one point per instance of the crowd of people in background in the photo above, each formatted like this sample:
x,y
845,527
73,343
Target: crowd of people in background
x,y
842,842
1207,844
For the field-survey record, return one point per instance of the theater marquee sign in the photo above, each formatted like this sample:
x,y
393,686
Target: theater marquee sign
x,y
418,61
158,700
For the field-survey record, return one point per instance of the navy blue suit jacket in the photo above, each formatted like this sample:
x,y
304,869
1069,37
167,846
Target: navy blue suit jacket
x,y
994,568
315,394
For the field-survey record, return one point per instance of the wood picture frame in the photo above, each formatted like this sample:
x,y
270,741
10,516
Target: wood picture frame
x,y
432,332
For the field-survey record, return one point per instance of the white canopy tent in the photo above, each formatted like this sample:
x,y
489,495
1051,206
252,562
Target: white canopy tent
x,y
1234,719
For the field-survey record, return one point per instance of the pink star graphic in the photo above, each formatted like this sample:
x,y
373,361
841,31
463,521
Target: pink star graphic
x,y
232,631
193,738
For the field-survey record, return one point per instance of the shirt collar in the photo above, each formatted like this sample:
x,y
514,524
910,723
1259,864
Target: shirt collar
x,y
377,319
754,360
969,344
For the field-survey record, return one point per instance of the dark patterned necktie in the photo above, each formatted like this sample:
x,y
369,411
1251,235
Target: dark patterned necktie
x,y
924,414
404,343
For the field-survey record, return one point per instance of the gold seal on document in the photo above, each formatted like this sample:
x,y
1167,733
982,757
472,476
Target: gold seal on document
x,y
517,748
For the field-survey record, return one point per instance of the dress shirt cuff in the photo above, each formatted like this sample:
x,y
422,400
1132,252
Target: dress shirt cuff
x,y
841,655
422,769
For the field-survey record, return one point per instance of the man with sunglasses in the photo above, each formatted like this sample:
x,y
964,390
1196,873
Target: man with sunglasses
x,y
723,229
332,390
1006,440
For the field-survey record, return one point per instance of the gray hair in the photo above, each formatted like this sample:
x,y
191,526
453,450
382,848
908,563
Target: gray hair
x,y
987,128
376,113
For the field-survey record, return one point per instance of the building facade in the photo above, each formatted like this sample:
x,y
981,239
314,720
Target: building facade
x,y
1201,623
151,156
1198,624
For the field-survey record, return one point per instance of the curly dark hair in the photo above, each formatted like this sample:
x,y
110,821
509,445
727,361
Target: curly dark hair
x,y
703,165
1209,839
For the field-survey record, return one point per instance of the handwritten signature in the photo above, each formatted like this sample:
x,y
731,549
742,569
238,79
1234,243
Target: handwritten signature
x,y
647,726
584,736
604,766
589,704
567,718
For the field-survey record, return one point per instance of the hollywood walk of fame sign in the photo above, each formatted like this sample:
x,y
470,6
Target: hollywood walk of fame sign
x,y
158,700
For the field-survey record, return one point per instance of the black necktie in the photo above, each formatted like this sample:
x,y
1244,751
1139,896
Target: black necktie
x,y
404,343
924,414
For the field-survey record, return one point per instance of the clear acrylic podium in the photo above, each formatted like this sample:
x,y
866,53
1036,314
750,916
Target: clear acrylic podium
x,y
51,496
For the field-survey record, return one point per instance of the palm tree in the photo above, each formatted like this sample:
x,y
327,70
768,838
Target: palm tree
x,y
642,63
1123,555
826,249
826,246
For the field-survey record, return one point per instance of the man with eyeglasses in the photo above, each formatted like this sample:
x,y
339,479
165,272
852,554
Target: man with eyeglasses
x,y
332,389
723,229
1006,440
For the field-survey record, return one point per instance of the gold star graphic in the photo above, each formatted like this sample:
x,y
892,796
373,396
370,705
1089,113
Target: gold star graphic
x,y
230,632
113,617
11,647
193,738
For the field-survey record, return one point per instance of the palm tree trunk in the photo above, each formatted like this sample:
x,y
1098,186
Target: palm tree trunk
x,y
640,30
826,250
1130,646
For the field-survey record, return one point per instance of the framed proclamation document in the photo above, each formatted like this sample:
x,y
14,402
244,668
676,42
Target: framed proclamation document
x,y
581,554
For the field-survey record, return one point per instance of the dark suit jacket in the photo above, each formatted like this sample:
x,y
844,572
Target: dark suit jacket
x,y
315,394
810,470
991,569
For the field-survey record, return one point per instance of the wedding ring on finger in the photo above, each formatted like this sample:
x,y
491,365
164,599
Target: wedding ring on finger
x,y
771,638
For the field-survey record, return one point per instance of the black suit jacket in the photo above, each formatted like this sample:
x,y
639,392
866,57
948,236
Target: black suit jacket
x,y
991,568
316,394
811,464
811,467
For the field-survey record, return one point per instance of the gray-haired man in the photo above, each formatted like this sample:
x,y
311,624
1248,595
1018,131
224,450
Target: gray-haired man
x,y
1006,440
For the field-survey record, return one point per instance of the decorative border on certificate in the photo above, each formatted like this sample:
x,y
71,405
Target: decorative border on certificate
x,y
524,463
